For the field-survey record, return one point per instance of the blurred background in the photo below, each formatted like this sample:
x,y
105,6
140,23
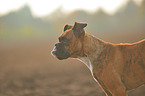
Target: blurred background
x,y
30,28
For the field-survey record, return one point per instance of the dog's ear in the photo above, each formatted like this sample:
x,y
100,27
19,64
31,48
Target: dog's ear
x,y
66,27
78,28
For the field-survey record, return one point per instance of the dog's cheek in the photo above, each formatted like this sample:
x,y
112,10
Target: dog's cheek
x,y
67,48
79,45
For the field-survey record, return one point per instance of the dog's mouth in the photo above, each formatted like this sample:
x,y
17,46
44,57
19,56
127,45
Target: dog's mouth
x,y
54,53
60,52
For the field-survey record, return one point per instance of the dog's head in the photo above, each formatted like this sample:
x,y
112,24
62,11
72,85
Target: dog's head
x,y
70,42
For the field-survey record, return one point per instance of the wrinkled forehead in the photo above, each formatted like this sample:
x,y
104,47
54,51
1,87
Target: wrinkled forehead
x,y
66,34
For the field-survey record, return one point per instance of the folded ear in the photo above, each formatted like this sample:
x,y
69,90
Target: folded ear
x,y
66,27
78,28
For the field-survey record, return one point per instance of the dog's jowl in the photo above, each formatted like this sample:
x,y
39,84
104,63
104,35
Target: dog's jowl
x,y
116,67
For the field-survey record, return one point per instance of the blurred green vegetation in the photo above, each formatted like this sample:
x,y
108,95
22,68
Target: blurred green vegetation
x,y
126,25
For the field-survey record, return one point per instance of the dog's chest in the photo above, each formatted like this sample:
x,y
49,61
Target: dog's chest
x,y
87,61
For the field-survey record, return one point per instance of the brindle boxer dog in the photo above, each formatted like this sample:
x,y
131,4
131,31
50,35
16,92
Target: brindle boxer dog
x,y
116,67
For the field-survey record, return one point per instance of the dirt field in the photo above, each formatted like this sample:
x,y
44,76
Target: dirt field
x,y
29,69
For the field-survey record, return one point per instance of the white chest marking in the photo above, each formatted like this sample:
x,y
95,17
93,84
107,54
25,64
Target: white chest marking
x,y
87,61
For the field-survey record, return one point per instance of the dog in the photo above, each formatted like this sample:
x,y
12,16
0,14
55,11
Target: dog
x,y
116,67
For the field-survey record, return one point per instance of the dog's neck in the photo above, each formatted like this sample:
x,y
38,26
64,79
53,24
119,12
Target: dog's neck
x,y
91,51
98,47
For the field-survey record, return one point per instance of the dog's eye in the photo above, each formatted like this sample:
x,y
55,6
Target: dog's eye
x,y
63,39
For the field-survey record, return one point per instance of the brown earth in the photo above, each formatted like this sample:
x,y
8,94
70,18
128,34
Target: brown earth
x,y
29,69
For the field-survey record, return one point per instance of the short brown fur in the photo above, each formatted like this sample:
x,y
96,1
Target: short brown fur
x,y
117,67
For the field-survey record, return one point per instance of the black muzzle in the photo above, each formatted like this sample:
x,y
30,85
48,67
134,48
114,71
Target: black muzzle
x,y
60,51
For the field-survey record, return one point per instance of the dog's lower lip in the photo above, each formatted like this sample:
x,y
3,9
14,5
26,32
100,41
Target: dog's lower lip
x,y
59,58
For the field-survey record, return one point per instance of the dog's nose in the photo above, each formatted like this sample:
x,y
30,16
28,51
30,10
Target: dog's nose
x,y
53,52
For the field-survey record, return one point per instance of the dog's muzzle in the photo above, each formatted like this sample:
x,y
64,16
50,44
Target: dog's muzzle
x,y
60,51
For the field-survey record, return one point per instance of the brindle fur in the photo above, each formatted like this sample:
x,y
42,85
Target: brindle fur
x,y
117,67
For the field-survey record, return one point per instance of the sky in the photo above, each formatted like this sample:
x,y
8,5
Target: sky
x,y
45,7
